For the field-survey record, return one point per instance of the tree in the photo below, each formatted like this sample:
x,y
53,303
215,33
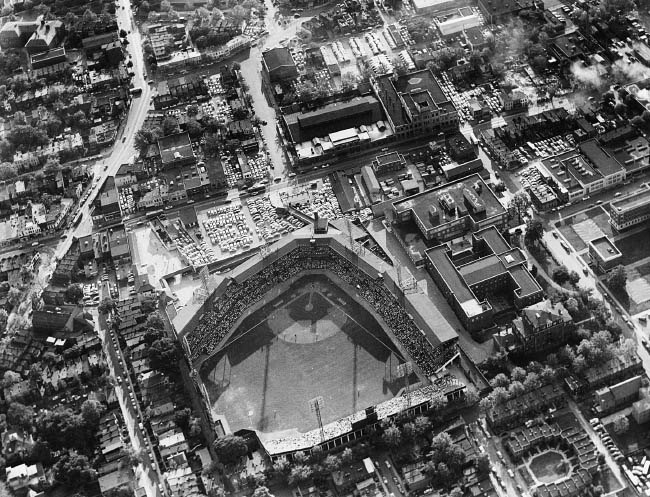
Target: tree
x,y
182,418
518,374
347,455
192,110
519,204
561,275
392,436
299,474
262,492
169,126
73,469
574,278
52,166
4,318
617,278
74,293
500,380
91,412
332,463
532,381
230,449
422,425
27,136
62,428
20,415
534,231
155,321
621,424
516,389
123,33
106,305
165,6
194,128
145,137
163,355
483,464
14,296
11,378
486,404
8,171
499,395
211,146
238,13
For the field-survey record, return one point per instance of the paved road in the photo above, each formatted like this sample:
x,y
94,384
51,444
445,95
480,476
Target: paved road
x,y
148,470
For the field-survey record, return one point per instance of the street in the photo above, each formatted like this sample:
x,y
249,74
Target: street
x,y
148,470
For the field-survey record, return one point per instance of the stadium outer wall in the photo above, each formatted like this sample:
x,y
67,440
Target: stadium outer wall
x,y
432,324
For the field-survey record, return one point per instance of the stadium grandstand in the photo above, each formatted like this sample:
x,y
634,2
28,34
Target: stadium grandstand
x,y
418,333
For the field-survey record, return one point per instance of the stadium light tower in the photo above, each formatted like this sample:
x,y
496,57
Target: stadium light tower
x,y
316,404
404,370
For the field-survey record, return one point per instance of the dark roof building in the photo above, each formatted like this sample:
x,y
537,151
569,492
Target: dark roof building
x,y
176,150
49,58
332,118
496,11
279,65
542,326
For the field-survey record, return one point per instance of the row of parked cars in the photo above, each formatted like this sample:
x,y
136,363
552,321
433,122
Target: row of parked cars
x,y
607,440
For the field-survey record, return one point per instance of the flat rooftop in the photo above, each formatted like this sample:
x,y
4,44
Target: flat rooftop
x,y
605,248
389,158
632,201
461,278
633,153
421,202
601,160
429,4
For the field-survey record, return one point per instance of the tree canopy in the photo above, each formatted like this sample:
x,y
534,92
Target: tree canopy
x,y
230,449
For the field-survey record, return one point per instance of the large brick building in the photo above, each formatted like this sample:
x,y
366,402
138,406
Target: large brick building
x,y
415,104
481,280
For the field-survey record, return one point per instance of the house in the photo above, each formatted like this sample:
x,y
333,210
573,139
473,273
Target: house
x,y
106,207
22,476
36,36
614,397
16,442
49,58
61,318
513,101
542,326
45,36
388,162
641,410
278,64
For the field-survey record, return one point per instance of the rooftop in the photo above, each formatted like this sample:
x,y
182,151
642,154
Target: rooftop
x,y
633,201
500,258
459,193
175,147
599,158
605,248
278,57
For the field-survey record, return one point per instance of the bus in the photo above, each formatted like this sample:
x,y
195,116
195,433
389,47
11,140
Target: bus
x,y
136,91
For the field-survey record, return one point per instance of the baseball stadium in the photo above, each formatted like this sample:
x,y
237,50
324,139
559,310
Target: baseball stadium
x,y
311,341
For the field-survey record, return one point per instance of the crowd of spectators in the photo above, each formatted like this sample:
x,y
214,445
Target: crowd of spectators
x,y
216,324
